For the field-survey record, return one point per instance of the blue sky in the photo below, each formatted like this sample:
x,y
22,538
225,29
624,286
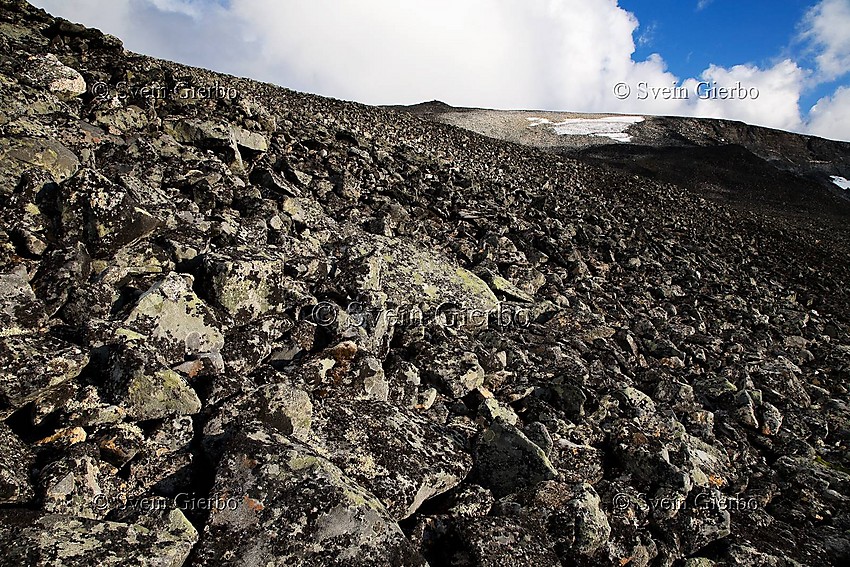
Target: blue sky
x,y
574,55
691,35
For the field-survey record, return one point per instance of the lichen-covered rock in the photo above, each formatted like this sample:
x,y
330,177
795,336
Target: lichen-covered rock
x,y
32,365
48,72
590,523
20,154
146,389
400,457
80,484
279,406
173,321
218,134
20,310
293,507
246,285
16,460
55,540
413,277
489,542
506,461
247,346
120,443
452,370
102,214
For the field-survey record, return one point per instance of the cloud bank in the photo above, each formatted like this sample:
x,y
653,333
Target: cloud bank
x,y
529,54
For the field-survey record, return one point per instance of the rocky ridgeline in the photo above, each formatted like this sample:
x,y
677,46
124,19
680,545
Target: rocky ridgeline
x,y
258,327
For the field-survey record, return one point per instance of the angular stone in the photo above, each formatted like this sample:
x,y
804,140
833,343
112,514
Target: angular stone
x,y
32,365
399,456
20,154
20,311
120,443
246,285
29,538
16,460
48,72
102,214
495,542
293,507
79,484
411,277
456,372
174,321
591,524
506,461
146,389
280,406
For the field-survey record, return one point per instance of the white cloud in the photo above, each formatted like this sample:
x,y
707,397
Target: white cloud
x,y
830,117
777,103
703,4
827,27
532,54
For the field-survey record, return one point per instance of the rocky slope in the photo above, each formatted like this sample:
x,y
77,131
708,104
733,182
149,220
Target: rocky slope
x,y
722,160
243,325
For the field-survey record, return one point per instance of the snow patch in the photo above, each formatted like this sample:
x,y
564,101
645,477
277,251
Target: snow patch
x,y
613,127
841,182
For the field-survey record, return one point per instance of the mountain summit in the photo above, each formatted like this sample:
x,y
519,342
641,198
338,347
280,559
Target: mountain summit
x,y
247,326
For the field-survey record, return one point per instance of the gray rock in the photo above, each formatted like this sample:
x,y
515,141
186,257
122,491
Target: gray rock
x,y
33,365
173,321
102,214
20,311
400,457
16,460
456,372
497,542
293,507
411,277
80,485
48,72
146,389
539,435
20,154
470,500
55,540
246,285
591,524
506,461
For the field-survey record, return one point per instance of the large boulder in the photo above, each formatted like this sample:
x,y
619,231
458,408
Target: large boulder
x,y
401,457
291,506
506,461
102,214
158,539
412,277
16,459
33,365
144,388
173,321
